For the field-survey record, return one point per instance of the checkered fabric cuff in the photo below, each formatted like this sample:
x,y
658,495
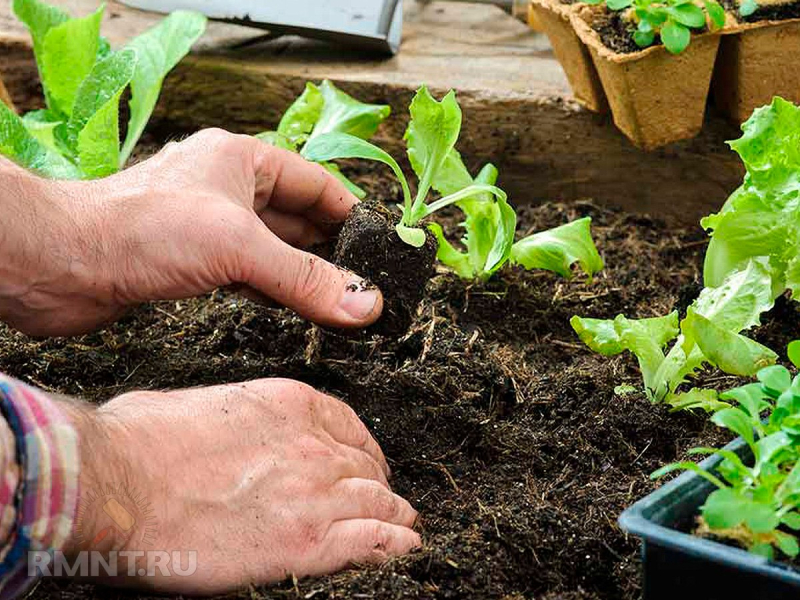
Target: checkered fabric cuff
x,y
39,469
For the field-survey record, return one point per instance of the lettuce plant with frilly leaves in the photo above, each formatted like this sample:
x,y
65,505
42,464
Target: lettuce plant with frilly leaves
x,y
490,222
762,217
77,136
325,109
709,334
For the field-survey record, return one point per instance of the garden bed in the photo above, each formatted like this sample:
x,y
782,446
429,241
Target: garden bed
x,y
501,428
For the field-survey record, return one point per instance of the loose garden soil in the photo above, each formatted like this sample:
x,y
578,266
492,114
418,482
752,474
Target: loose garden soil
x,y
768,12
501,428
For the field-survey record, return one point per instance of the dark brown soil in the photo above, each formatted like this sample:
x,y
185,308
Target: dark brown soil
x,y
501,428
616,33
368,245
780,12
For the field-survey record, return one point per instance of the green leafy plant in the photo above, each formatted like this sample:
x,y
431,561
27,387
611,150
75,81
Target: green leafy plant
x,y
762,217
325,109
430,138
490,227
490,221
672,20
77,136
709,334
754,505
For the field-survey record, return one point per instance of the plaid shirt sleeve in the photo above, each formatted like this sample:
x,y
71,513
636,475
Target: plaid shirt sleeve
x,y
39,469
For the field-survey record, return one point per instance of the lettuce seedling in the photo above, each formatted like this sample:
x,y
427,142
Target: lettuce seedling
x,y
77,136
709,334
490,228
754,505
430,141
324,109
762,217
672,20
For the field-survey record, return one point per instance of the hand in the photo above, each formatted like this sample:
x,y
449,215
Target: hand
x,y
213,210
263,480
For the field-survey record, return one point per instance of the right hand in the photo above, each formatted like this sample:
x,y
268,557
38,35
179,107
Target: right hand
x,y
264,479
214,210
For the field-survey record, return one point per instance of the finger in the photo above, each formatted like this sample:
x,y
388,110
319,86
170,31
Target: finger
x,y
289,183
360,465
343,424
355,498
364,541
293,229
311,286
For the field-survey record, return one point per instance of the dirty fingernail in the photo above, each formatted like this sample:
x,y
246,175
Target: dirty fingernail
x,y
360,298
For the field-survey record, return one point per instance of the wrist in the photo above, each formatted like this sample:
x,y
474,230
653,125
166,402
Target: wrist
x,y
51,247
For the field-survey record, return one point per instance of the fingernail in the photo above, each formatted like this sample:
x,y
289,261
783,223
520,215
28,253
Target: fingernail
x,y
360,298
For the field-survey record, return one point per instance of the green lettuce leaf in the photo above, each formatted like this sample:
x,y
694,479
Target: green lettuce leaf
x,y
345,114
69,52
646,338
762,217
93,129
277,139
19,145
39,18
431,136
300,118
158,50
709,334
42,125
557,249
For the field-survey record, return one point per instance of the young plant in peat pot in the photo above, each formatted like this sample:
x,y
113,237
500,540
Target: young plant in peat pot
x,y
756,55
394,251
622,51
716,531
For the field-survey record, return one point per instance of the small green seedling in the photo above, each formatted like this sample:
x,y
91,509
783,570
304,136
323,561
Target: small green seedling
x,y
430,140
77,136
747,7
710,334
756,505
672,20
324,109
489,231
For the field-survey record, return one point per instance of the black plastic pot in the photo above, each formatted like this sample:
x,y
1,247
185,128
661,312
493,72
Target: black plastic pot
x,y
679,566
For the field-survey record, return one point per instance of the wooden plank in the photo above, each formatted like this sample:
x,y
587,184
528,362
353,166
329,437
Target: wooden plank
x,y
518,111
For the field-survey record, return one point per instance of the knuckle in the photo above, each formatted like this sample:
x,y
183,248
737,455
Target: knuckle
x,y
310,278
378,536
383,501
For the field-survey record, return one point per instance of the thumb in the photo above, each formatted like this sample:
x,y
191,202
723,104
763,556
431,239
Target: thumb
x,y
311,286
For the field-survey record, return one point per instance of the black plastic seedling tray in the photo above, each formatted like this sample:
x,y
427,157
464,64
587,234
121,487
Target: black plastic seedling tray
x,y
679,566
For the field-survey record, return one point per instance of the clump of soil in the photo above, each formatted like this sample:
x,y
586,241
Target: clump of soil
x,y
501,428
616,33
369,246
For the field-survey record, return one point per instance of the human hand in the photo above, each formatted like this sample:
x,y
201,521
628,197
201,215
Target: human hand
x,y
213,210
262,480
